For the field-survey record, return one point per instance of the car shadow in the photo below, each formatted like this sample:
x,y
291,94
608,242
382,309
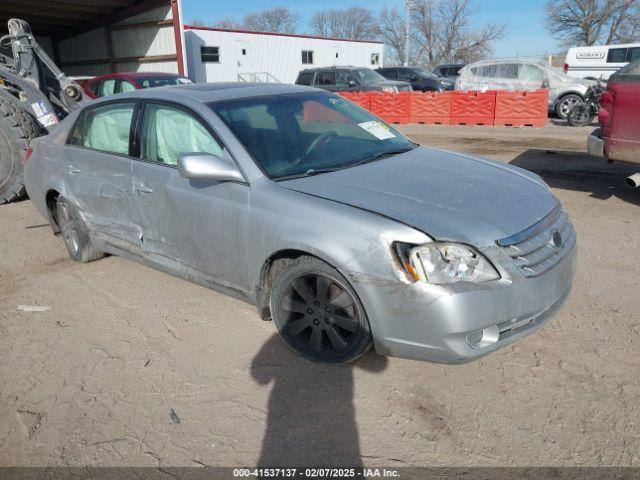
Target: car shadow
x,y
581,172
311,415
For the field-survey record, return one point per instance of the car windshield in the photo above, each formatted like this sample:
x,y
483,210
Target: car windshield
x,y
308,133
366,76
152,82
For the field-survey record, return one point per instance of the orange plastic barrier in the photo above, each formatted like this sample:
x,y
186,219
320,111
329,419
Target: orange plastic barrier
x,y
430,107
392,107
361,98
473,108
457,108
520,109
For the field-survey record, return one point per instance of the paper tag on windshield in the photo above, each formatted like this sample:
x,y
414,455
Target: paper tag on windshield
x,y
377,129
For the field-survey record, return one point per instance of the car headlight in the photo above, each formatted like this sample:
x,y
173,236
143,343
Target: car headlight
x,y
390,89
440,263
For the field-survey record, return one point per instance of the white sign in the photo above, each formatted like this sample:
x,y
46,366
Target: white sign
x,y
377,129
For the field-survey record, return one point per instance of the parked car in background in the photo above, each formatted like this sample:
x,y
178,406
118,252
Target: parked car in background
x,y
618,137
448,74
422,253
564,92
599,62
113,83
420,78
350,79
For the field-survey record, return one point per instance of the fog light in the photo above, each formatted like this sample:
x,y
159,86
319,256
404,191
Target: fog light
x,y
483,338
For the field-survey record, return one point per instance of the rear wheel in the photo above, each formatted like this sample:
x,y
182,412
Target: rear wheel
x,y
75,233
566,103
318,313
17,129
580,115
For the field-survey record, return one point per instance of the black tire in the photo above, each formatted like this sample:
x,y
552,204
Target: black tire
x,y
17,129
580,115
75,233
566,103
318,313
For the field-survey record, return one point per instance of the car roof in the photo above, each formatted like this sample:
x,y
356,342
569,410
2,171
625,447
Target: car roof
x,y
211,92
334,67
137,75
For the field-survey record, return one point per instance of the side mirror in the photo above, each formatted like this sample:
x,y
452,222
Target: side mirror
x,y
352,83
205,166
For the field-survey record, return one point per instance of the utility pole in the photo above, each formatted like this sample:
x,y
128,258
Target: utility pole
x,y
408,4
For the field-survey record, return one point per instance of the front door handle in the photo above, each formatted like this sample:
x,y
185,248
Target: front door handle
x,y
73,170
141,189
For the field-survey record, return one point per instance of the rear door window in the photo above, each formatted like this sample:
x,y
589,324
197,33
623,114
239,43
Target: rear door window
x,y
405,75
105,128
390,73
168,132
326,78
617,55
107,87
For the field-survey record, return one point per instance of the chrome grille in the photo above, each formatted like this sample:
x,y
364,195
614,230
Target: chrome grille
x,y
541,246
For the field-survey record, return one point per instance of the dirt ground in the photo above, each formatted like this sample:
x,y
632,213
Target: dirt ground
x,y
133,367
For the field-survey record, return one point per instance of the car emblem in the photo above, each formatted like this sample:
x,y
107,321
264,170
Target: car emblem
x,y
556,239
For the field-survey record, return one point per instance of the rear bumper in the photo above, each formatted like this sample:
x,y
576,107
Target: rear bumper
x,y
595,144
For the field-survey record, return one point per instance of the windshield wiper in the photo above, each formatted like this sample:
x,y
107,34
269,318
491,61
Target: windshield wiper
x,y
309,173
380,155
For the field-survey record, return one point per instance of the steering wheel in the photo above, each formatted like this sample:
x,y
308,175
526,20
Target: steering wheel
x,y
317,142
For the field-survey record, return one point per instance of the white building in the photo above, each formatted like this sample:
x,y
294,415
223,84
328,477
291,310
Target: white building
x,y
218,55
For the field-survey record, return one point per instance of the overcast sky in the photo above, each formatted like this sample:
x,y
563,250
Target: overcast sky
x,y
526,34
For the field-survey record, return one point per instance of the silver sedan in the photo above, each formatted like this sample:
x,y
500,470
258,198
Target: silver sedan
x,y
341,230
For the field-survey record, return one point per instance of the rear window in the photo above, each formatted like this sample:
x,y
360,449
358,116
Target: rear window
x,y
152,82
105,128
617,55
305,79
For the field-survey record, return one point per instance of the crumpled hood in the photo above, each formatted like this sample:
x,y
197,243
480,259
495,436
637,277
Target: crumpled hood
x,y
448,196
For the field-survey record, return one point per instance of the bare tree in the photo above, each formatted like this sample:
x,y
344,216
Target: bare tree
x,y
391,27
588,22
277,19
355,23
227,23
442,32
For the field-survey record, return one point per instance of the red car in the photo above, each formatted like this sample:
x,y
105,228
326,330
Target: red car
x,y
618,137
126,82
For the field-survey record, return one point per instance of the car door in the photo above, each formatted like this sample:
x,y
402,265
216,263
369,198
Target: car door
x,y
97,166
406,75
197,228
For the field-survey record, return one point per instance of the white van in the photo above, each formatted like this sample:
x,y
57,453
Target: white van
x,y
603,61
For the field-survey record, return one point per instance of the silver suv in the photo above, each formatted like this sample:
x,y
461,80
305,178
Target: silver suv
x,y
564,91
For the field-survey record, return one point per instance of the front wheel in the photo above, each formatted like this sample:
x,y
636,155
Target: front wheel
x,y
318,313
580,115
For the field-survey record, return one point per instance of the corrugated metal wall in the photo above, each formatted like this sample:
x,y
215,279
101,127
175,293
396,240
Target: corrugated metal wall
x,y
149,47
279,55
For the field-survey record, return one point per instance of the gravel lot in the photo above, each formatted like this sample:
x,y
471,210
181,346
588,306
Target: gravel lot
x,y
130,366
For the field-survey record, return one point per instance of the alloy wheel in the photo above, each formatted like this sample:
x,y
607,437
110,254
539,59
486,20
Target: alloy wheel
x,y
320,316
68,228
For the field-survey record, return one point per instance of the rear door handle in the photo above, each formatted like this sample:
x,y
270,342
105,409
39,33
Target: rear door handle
x,y
141,188
73,170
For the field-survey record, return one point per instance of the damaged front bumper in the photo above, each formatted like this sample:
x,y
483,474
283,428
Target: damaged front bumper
x,y
462,322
